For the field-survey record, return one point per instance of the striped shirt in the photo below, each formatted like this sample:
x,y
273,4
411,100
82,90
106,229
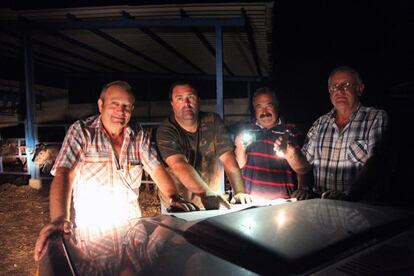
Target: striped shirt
x,y
105,186
265,174
338,156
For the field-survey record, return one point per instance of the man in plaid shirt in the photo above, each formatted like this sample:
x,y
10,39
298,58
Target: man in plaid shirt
x,y
340,143
99,169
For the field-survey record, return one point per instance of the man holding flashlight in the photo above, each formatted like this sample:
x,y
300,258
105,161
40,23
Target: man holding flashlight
x,y
192,142
98,170
268,169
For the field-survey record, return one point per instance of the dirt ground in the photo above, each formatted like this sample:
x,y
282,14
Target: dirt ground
x,y
23,212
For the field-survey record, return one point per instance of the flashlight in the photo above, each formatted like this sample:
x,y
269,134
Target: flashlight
x,y
281,149
248,137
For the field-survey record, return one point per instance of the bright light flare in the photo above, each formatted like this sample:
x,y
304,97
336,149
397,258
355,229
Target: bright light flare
x,y
280,153
247,137
280,218
101,208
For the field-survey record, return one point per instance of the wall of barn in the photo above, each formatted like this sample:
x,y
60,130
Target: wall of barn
x,y
51,103
235,110
52,106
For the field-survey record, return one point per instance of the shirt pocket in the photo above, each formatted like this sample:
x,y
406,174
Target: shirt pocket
x,y
95,167
135,172
358,151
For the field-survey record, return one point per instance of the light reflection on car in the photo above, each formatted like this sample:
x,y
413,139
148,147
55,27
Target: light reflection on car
x,y
319,236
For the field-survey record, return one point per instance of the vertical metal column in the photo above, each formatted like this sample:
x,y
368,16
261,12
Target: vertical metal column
x,y
249,101
219,71
219,88
30,129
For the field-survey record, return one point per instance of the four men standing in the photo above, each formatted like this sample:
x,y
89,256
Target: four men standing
x,y
100,163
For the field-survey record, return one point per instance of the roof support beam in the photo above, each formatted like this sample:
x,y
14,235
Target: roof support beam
x,y
205,42
55,59
219,89
30,130
123,45
252,43
128,23
68,53
164,76
96,51
164,44
219,71
49,28
62,51
13,55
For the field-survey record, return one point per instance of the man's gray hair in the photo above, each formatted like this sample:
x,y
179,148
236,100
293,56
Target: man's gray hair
x,y
123,84
347,69
265,90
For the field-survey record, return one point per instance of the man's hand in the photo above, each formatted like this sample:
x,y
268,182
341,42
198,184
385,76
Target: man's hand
x,y
212,201
288,152
330,194
242,198
303,195
243,140
61,225
178,204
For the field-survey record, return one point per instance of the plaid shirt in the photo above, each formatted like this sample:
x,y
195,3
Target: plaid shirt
x,y
338,156
105,187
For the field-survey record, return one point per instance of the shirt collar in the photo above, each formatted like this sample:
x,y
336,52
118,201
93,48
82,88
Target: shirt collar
x,y
332,113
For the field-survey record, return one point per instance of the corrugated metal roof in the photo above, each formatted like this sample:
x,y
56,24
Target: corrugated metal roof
x,y
105,56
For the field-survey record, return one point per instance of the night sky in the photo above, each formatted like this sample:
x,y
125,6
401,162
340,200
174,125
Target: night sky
x,y
312,37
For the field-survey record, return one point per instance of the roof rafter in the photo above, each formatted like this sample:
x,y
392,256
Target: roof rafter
x,y
60,50
205,42
128,23
79,43
164,44
124,46
252,42
11,45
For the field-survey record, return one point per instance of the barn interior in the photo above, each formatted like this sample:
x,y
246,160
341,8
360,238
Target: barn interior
x,y
56,58
59,58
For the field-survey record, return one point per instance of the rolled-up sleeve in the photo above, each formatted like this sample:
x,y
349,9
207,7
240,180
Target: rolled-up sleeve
x,y
147,152
72,148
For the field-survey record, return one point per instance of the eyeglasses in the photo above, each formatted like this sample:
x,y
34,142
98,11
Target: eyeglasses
x,y
345,86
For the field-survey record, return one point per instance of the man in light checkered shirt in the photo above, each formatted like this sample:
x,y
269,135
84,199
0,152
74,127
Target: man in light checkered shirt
x,y
99,169
339,143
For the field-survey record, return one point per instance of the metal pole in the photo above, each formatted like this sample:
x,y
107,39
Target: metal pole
x,y
30,122
219,88
219,70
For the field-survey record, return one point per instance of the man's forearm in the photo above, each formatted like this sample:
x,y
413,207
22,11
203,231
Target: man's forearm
x,y
60,195
236,181
240,154
298,163
164,181
233,172
189,177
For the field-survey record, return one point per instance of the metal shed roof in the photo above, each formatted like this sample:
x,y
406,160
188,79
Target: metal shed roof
x,y
168,39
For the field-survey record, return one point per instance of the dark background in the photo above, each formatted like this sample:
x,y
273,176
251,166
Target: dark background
x,y
309,39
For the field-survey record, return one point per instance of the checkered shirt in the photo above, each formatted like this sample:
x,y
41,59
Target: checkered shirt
x,y
105,186
338,156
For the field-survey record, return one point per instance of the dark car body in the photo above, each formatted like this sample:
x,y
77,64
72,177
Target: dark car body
x,y
319,236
